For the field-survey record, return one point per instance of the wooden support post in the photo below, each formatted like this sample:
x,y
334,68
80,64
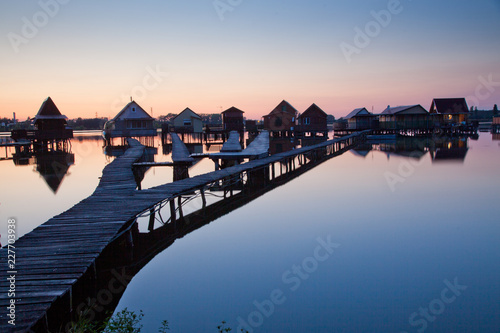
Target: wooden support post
x,y
130,239
203,199
151,225
272,171
179,203
173,217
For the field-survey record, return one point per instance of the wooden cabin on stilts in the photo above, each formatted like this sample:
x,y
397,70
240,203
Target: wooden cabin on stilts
x,y
131,122
51,129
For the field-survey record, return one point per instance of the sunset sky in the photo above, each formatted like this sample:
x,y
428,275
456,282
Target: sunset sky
x,y
91,56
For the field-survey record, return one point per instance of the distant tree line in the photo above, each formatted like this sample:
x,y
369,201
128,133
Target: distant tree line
x,y
79,124
484,115
8,124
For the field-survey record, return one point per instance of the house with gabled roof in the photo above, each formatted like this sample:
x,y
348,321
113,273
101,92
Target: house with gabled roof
x,y
49,117
360,119
50,125
313,121
232,120
449,111
404,117
188,121
281,120
131,121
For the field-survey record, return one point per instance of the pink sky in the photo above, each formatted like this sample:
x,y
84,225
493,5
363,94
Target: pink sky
x,y
90,58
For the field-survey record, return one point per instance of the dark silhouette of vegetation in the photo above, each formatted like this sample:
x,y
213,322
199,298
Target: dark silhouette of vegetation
x,y
87,124
126,321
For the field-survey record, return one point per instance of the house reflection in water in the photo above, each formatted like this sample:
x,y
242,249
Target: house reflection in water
x,y
53,167
410,147
362,150
452,149
281,144
449,150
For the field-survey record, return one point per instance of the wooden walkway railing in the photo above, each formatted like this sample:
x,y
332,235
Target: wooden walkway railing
x,y
60,255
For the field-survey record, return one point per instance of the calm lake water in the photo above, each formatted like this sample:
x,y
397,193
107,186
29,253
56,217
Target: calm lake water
x,y
386,238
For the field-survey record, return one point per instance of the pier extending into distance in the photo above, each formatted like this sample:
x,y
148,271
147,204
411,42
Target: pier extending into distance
x,y
58,262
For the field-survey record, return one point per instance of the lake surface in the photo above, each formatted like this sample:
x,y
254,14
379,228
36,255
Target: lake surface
x,y
391,237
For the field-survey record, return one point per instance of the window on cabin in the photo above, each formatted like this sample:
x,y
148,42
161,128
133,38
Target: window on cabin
x,y
187,122
283,108
307,121
133,109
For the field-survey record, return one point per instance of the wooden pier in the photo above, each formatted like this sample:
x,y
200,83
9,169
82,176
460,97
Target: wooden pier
x,y
59,260
180,153
258,148
232,144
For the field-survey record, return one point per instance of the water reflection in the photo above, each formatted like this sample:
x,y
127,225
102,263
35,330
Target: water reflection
x,y
362,150
53,167
406,147
310,141
281,144
135,248
450,149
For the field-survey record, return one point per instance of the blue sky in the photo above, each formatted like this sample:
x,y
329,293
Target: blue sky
x,y
93,54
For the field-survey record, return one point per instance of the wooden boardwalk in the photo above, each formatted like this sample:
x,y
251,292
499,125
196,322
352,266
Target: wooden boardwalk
x,y
232,144
258,148
54,259
180,153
